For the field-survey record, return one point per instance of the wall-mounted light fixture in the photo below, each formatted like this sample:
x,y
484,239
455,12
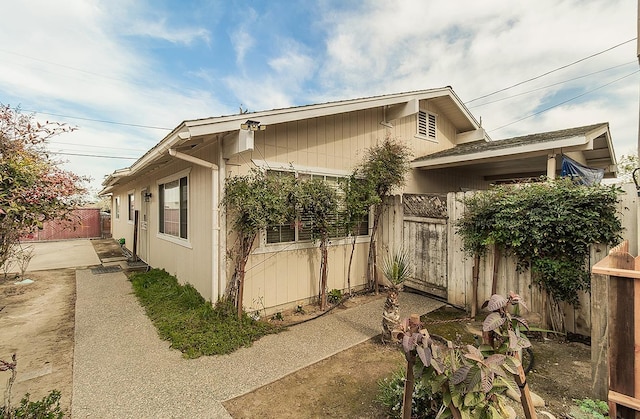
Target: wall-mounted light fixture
x,y
253,126
147,196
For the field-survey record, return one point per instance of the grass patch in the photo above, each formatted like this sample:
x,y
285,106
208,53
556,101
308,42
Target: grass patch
x,y
192,325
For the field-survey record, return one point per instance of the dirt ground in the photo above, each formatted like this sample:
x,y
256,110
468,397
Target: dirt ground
x,y
345,385
37,323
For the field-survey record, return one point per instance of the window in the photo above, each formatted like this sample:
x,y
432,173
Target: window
x,y
173,204
131,205
427,125
116,209
299,229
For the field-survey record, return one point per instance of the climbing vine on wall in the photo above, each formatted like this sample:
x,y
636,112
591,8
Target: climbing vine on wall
x,y
548,226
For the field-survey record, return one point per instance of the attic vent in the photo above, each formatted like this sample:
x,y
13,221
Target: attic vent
x,y
427,125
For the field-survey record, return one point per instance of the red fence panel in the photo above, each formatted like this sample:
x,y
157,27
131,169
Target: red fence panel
x,y
84,223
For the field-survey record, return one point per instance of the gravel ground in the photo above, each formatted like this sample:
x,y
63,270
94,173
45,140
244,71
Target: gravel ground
x,y
123,370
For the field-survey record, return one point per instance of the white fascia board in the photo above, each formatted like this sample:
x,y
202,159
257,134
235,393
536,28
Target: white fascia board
x,y
489,154
113,177
232,123
220,125
604,129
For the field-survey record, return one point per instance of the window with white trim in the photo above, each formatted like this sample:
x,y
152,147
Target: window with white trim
x,y
173,207
131,201
299,229
116,207
427,125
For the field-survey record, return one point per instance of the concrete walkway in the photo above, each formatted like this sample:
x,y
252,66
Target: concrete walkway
x,y
59,254
123,370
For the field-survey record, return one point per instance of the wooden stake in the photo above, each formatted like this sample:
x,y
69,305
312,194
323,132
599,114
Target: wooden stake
x,y
409,384
525,395
474,291
496,264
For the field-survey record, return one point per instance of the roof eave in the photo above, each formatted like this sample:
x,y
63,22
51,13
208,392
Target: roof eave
x,y
469,158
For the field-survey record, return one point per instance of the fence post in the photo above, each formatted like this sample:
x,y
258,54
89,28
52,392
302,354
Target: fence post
x,y
599,336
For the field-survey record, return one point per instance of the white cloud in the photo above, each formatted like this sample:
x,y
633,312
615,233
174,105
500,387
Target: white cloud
x,y
70,62
480,47
241,37
278,88
177,35
93,59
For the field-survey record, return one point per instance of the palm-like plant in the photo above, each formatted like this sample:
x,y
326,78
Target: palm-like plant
x,y
396,268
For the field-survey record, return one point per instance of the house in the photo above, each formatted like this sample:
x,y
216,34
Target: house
x,y
166,204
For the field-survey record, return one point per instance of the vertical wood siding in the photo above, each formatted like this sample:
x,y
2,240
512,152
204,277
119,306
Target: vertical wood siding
x,y
190,264
276,280
577,319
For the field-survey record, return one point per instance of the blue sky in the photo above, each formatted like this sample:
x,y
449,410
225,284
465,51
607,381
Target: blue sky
x,y
149,63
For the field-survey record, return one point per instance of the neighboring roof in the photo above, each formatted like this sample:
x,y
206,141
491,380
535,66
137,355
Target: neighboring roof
x,y
530,151
216,127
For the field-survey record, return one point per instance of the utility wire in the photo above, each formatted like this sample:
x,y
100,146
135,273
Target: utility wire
x,y
52,143
551,85
566,101
551,71
95,120
63,66
91,155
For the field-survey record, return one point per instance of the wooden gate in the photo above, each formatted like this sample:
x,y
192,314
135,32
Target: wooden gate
x,y
425,239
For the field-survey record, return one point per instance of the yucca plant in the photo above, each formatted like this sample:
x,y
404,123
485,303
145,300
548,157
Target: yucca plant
x,y
396,268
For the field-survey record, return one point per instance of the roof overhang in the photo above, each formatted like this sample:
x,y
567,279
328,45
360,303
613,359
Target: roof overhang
x,y
527,156
229,129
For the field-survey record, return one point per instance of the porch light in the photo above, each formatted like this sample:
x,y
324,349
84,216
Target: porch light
x,y
253,126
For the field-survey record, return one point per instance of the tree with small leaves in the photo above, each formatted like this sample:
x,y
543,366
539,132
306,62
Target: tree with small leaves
x,y
33,186
358,199
254,202
317,203
383,170
548,227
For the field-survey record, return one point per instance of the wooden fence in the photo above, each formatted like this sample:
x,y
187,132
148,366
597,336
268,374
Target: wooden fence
x,y
84,223
577,320
458,266
615,356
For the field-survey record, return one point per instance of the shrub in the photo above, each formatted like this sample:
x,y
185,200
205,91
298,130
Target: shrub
x,y
391,390
592,408
46,408
334,296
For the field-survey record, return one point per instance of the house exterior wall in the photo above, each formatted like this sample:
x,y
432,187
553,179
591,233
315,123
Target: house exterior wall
x,y
283,275
189,260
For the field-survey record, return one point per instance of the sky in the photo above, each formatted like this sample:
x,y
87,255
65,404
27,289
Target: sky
x,y
126,72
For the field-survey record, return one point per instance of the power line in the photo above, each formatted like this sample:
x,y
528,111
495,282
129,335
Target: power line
x,y
77,150
63,66
96,120
97,146
92,155
551,85
552,71
566,101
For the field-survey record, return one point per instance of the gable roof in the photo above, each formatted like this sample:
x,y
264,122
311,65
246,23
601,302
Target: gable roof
x,y
528,154
217,128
